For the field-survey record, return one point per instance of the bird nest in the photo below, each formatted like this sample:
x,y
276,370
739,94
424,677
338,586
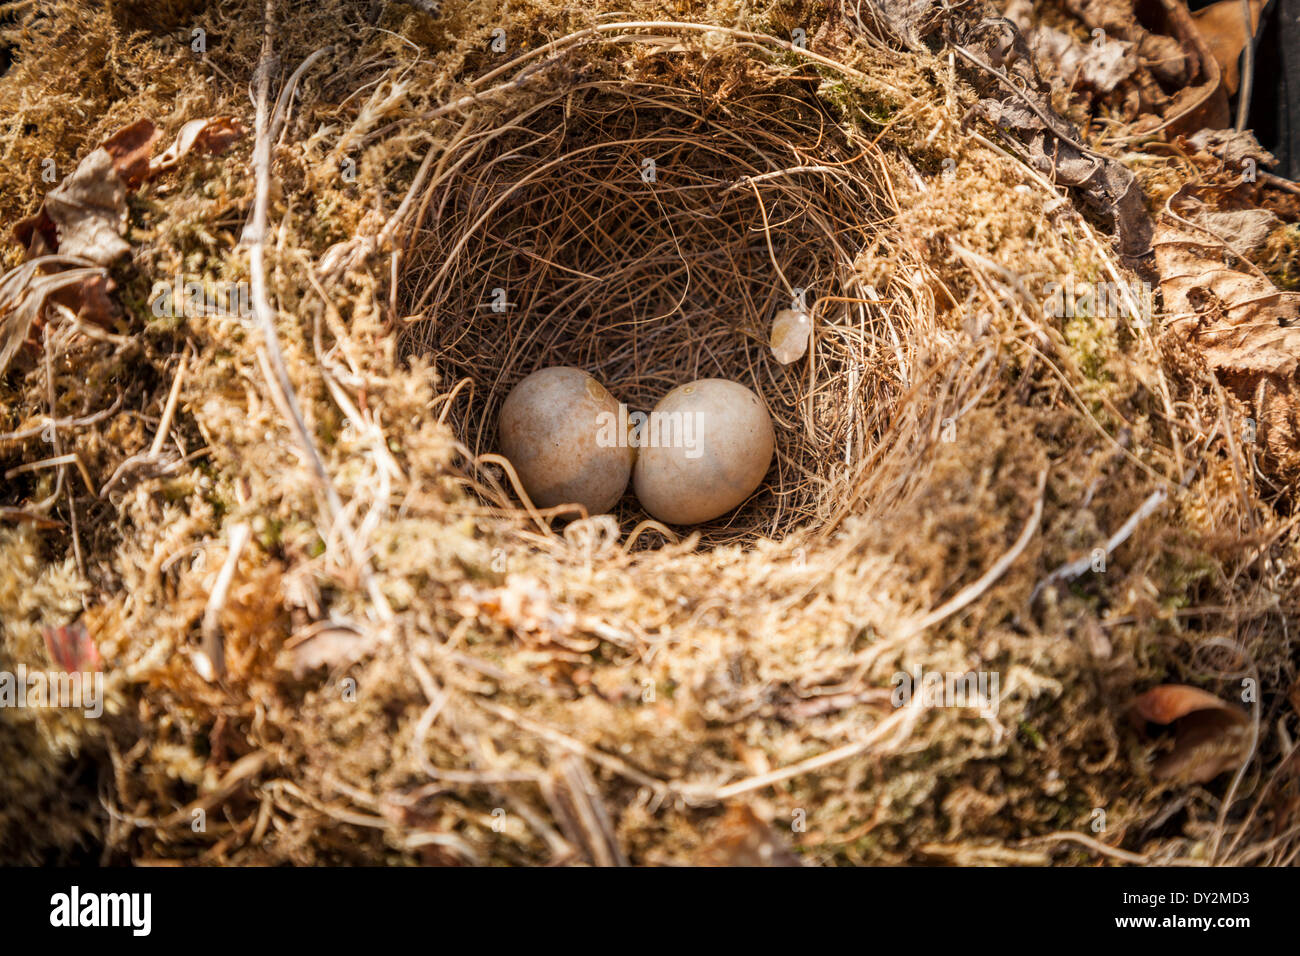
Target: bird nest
x,y
646,223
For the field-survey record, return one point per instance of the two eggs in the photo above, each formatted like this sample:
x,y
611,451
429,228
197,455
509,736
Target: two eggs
x,y
703,450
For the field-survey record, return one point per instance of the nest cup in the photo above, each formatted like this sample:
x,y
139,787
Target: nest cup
x,y
645,220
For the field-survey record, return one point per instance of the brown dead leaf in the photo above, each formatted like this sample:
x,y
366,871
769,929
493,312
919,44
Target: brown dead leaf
x,y
1243,324
214,135
1234,147
908,21
743,838
23,293
1178,83
1242,230
1168,702
85,215
91,300
37,234
1208,743
88,210
130,147
1211,735
72,649
326,645
83,220
1101,65
1205,103
1222,26
1016,100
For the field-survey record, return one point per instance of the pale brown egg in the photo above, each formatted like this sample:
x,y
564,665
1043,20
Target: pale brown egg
x,y
562,431
703,450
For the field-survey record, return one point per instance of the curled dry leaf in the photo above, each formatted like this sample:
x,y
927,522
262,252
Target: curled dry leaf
x,y
130,148
1168,702
1247,330
1242,230
1178,83
1100,65
1211,735
88,211
83,220
1222,26
85,215
23,293
1234,147
908,21
743,838
214,136
1015,99
1242,323
1202,101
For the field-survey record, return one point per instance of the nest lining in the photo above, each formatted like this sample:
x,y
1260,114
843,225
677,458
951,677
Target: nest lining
x,y
647,228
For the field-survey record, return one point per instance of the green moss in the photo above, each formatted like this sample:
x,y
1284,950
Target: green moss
x,y
1032,734
1281,257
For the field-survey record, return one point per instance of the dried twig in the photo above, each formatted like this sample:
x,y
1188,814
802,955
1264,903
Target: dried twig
x,y
210,661
255,238
1072,569
1096,846
255,234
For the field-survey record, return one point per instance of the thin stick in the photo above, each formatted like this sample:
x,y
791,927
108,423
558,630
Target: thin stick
x,y
211,660
1278,182
255,236
255,233
282,103
1247,68
1094,845
53,424
58,461
169,410
1072,569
